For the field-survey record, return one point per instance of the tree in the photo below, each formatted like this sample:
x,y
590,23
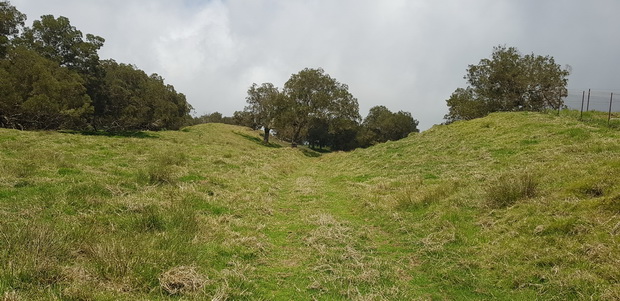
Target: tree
x,y
38,94
135,101
263,103
11,21
312,94
383,125
215,117
244,118
56,39
509,81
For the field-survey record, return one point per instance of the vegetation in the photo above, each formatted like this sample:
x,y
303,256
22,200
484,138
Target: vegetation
x,y
51,77
316,109
264,105
509,81
382,125
512,206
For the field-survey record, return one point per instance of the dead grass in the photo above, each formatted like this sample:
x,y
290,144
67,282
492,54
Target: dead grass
x,y
182,280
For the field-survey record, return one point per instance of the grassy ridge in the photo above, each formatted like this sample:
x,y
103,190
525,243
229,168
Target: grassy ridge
x,y
457,194
511,206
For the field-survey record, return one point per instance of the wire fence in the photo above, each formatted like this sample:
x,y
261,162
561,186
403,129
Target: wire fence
x,y
593,100
590,100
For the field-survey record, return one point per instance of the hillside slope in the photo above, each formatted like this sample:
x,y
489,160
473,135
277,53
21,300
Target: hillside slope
x,y
514,205
511,206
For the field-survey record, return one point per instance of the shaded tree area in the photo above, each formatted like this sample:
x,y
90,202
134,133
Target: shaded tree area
x,y
315,109
509,81
382,125
51,77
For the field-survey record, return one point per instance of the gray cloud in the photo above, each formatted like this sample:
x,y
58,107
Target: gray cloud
x,y
407,55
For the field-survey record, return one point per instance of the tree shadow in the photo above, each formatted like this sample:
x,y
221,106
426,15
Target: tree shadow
x,y
258,140
310,152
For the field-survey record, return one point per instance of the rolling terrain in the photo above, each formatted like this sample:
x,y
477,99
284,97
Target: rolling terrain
x,y
511,206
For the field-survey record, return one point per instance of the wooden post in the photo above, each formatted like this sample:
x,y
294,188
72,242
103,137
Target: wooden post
x,y
588,105
583,95
610,100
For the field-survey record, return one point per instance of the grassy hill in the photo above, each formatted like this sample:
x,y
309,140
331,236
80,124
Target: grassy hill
x,y
511,206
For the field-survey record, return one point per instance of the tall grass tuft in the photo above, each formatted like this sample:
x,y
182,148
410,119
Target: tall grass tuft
x,y
162,168
509,189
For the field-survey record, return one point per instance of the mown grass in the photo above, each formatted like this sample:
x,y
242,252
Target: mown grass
x,y
511,206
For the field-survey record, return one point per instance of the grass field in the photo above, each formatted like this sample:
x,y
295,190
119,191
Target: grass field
x,y
514,206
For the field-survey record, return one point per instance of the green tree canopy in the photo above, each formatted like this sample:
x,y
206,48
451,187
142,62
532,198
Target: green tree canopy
x,y
383,125
309,95
264,104
51,77
244,118
36,93
509,81
135,101
59,41
11,21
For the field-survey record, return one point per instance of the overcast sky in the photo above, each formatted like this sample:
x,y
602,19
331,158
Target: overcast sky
x,y
405,54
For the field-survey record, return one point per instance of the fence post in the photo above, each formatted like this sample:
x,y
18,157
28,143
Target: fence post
x,y
610,100
583,95
588,106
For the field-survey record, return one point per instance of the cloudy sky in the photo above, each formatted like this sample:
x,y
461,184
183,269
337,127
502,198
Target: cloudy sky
x,y
405,54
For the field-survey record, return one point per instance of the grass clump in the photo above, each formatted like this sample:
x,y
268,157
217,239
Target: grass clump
x,y
182,280
509,188
163,168
415,198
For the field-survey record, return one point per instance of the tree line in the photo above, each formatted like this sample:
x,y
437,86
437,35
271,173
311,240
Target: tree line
x,y
315,109
51,77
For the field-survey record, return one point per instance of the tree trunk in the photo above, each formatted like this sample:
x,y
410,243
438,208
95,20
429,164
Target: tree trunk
x,y
266,135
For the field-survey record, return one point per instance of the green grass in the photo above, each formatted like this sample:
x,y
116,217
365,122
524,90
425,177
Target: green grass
x,y
514,206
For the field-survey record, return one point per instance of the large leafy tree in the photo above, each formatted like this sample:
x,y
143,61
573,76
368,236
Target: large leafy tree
x,y
383,125
36,93
135,101
309,95
11,21
264,103
509,81
56,39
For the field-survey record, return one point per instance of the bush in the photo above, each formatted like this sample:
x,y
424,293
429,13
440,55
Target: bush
x,y
508,189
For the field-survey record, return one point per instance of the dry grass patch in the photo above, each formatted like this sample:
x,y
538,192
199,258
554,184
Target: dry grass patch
x,y
182,280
